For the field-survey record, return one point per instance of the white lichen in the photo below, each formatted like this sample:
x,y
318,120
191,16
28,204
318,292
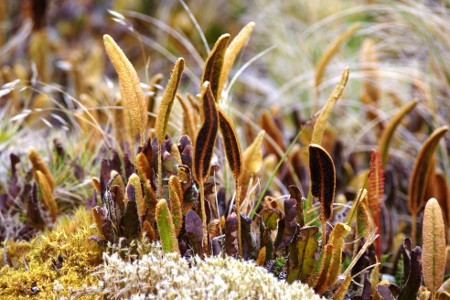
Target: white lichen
x,y
168,276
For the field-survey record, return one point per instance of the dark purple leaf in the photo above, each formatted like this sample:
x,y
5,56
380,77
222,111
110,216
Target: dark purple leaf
x,y
129,167
155,151
167,142
297,195
366,292
385,292
130,224
115,163
231,243
108,232
114,202
59,149
248,238
169,164
210,187
34,216
13,189
290,222
412,271
216,248
91,202
186,156
98,239
26,233
148,150
194,230
78,172
185,149
3,200
118,197
14,161
279,237
183,142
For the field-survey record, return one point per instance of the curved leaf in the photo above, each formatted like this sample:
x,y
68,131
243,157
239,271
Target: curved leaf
x,y
231,53
323,179
130,85
231,144
420,174
213,65
388,133
167,101
206,137
321,122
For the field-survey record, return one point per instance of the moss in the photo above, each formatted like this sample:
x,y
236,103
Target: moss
x,y
70,239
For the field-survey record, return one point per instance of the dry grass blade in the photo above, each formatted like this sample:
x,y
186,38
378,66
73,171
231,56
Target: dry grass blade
x,y
323,182
188,116
214,64
130,85
420,175
433,246
321,122
206,137
232,51
326,57
388,133
167,100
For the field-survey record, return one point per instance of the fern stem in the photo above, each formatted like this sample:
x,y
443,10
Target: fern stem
x,y
202,204
238,212
160,184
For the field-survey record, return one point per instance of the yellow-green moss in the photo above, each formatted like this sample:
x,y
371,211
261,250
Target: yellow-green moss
x,y
70,238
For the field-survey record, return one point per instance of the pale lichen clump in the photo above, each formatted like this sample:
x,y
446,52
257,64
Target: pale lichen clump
x,y
168,276
30,270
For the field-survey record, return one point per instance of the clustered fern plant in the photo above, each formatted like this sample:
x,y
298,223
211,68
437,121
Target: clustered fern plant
x,y
164,203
